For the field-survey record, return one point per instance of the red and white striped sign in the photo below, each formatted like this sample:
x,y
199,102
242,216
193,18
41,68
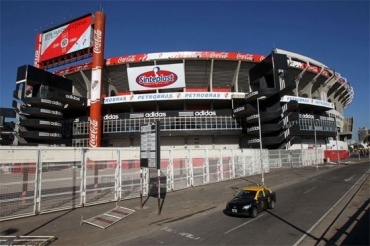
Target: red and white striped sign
x,y
66,39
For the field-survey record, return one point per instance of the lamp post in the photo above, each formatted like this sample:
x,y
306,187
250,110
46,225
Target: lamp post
x,y
259,128
338,159
314,129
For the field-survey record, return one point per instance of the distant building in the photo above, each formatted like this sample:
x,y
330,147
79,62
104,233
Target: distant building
x,y
364,135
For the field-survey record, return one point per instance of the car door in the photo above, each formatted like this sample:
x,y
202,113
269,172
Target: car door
x,y
262,201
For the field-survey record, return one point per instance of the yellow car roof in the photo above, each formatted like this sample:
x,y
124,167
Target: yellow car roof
x,y
254,187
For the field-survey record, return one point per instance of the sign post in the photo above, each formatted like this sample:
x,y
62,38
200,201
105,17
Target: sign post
x,y
150,153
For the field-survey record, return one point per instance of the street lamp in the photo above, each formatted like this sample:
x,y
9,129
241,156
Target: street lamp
x,y
314,129
259,127
338,159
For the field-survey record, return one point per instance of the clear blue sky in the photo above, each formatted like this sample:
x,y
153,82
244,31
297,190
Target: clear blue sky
x,y
335,33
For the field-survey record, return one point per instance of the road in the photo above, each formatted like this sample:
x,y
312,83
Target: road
x,y
300,207
313,208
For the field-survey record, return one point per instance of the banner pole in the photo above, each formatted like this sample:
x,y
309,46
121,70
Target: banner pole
x,y
141,188
159,191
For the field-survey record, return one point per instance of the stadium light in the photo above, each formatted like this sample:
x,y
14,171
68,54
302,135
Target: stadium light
x,y
259,125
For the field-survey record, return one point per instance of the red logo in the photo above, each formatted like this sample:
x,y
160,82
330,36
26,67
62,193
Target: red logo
x,y
156,78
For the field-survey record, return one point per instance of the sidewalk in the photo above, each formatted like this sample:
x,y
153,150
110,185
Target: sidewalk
x,y
178,205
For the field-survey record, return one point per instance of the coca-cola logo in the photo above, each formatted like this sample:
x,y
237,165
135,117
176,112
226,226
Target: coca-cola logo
x,y
110,117
156,78
155,114
219,55
313,69
97,41
262,57
247,57
107,62
37,56
205,113
93,133
124,59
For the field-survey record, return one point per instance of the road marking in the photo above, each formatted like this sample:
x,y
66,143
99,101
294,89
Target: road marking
x,y
309,190
245,223
326,214
349,178
183,234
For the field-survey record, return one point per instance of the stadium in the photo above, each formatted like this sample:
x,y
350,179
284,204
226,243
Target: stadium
x,y
202,99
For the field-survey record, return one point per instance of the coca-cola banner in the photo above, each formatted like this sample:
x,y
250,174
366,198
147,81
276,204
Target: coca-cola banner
x,y
202,55
36,62
66,39
96,78
156,77
184,55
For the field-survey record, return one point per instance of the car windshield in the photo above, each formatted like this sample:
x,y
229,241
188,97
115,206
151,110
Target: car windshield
x,y
246,194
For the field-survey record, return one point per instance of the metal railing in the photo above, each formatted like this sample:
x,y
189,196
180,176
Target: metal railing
x,y
41,180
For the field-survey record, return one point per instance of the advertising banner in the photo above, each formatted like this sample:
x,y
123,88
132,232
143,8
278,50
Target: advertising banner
x,y
169,96
308,101
96,78
156,77
66,39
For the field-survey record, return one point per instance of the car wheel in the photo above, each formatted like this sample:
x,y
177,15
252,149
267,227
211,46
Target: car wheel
x,y
272,204
254,212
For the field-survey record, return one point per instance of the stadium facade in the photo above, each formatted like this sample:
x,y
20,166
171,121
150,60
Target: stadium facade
x,y
207,99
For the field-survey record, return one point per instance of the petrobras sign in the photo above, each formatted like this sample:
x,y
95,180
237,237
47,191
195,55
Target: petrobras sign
x,y
168,96
156,77
309,101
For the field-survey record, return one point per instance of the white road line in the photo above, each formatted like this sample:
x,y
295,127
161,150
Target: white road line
x,y
323,217
349,178
309,190
245,223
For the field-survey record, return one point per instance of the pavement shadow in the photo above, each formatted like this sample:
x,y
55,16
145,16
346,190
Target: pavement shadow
x,y
359,234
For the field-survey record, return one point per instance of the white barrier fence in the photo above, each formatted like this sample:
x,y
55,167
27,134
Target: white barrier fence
x,y
37,180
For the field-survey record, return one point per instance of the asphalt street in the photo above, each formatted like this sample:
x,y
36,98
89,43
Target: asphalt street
x,y
345,225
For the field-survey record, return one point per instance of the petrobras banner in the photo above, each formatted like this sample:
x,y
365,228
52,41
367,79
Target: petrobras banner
x,y
309,101
168,96
156,77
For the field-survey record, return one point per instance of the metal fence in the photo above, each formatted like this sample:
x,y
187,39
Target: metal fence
x,y
35,180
